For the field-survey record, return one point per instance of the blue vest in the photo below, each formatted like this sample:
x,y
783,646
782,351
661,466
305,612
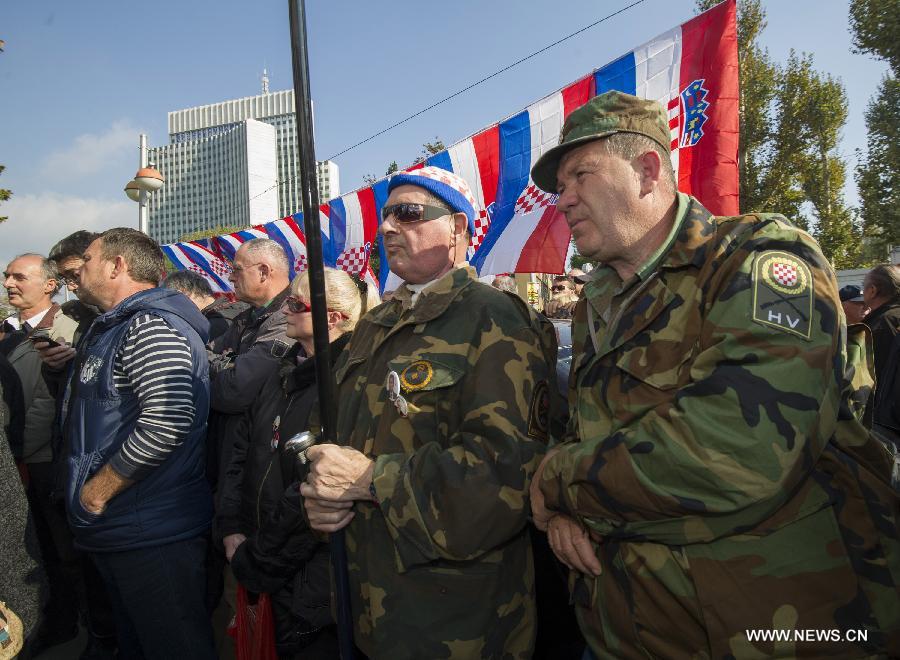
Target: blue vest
x,y
174,501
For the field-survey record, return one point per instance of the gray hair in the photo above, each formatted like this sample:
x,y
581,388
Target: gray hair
x,y
886,280
49,271
270,251
189,283
505,283
631,145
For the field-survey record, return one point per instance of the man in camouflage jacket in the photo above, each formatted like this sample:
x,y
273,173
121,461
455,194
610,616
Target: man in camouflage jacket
x,y
443,417
713,480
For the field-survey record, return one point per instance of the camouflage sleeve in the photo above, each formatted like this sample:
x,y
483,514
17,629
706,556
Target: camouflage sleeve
x,y
460,496
729,447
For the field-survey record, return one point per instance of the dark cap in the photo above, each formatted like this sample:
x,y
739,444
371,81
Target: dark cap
x,y
851,293
602,116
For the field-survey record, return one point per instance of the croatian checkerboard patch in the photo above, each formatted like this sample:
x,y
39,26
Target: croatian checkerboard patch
x,y
783,292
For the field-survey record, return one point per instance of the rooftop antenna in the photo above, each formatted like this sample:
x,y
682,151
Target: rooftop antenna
x,y
265,82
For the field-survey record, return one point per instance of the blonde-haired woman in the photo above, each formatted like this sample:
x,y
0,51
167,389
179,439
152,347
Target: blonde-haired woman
x,y
280,555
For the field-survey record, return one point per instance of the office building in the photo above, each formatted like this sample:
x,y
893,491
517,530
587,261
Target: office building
x,y
231,164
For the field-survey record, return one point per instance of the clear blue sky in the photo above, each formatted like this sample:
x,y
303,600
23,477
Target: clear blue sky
x,y
81,80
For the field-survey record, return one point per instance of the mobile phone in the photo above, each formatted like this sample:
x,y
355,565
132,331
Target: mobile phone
x,y
39,338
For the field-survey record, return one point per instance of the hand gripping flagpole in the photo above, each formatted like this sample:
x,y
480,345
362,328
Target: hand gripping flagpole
x,y
324,375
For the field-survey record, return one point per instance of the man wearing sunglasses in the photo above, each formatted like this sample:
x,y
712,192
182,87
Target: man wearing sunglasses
x,y
713,483
442,418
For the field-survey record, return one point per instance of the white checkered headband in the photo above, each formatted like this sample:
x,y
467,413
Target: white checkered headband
x,y
449,187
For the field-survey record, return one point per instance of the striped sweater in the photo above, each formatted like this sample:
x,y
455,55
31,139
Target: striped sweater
x,y
155,364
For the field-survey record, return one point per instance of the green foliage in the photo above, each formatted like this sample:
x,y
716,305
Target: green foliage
x,y
875,25
578,260
371,179
375,260
218,230
791,117
878,174
430,149
4,194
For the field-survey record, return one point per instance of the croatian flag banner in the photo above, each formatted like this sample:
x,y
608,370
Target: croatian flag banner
x,y
692,70
290,236
198,258
228,244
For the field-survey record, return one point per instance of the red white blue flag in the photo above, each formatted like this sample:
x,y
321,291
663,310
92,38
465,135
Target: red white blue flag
x,y
692,70
198,258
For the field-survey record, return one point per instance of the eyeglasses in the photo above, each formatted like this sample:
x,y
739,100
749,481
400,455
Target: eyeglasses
x,y
559,287
68,279
237,270
407,213
297,306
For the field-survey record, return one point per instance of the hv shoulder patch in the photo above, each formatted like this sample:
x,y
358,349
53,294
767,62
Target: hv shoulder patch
x,y
783,292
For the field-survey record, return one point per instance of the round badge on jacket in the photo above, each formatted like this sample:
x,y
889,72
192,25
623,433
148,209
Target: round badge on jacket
x,y
786,275
417,375
11,633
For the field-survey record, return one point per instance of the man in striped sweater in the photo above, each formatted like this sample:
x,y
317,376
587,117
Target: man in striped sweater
x,y
136,411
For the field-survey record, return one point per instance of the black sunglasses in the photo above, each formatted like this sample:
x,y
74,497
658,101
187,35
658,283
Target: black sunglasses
x,y
297,306
413,212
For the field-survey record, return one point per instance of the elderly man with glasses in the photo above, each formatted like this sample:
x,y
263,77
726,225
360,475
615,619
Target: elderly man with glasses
x,y
240,361
442,419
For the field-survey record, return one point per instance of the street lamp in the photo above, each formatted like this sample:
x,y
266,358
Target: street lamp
x,y
147,180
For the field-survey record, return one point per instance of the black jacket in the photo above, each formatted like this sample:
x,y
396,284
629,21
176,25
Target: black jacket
x,y
240,361
12,423
885,325
260,498
221,314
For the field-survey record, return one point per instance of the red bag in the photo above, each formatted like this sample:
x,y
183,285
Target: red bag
x,y
253,628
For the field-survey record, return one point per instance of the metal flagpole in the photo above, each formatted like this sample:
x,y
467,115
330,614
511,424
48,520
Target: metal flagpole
x,y
324,375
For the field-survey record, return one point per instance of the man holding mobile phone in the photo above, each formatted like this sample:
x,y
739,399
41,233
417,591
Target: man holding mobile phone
x,y
31,282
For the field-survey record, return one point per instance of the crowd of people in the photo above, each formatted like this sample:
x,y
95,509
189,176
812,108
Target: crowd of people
x,y
721,483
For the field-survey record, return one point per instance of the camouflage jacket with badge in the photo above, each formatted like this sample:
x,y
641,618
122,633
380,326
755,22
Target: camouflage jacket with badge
x,y
441,566
714,456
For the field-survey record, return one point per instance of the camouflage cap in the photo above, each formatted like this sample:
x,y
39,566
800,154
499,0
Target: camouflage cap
x,y
606,114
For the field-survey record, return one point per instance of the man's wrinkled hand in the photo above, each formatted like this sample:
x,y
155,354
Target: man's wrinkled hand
x,y
55,357
325,515
338,474
572,545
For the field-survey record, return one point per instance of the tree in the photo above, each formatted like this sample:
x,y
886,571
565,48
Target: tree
x,y
370,179
4,194
218,230
428,149
790,122
878,172
875,25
